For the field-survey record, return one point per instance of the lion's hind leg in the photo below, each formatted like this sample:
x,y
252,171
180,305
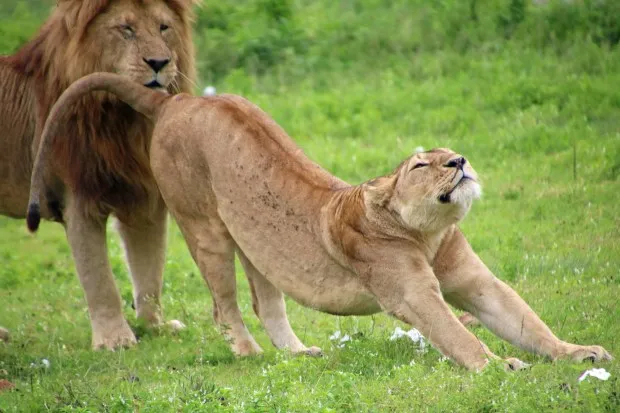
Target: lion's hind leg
x,y
145,249
269,306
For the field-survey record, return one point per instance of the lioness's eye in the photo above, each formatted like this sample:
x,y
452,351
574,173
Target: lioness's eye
x,y
419,165
163,27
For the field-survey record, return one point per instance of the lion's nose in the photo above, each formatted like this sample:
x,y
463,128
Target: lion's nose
x,y
456,163
157,64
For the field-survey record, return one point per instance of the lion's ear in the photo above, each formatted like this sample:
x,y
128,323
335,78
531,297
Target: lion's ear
x,y
380,190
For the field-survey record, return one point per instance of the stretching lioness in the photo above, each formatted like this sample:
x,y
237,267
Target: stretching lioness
x,y
235,181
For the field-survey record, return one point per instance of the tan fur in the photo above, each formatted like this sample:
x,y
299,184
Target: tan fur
x,y
104,169
236,183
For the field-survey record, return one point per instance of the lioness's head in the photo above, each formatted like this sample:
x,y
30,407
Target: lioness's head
x,y
145,40
429,191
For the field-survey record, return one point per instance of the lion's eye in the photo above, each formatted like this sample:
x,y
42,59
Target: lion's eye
x,y
163,27
419,165
127,31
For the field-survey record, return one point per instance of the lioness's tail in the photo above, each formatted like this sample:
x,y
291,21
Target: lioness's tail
x,y
142,99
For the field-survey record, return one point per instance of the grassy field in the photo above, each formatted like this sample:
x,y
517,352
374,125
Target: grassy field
x,y
534,106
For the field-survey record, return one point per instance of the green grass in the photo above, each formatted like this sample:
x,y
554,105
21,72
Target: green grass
x,y
539,122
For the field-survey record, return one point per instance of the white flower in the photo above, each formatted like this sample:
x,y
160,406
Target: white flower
x,y
600,374
46,363
335,336
413,334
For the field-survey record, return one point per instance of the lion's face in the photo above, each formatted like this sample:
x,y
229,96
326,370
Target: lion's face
x,y
434,189
137,39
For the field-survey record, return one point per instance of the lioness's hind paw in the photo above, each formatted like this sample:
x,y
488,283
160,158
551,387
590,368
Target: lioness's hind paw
x,y
313,352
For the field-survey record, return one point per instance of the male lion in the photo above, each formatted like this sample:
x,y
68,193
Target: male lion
x,y
234,181
104,169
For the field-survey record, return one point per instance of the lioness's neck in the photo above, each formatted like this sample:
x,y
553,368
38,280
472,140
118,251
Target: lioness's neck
x,y
349,220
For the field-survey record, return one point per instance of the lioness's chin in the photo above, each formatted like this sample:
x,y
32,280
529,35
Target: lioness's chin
x,y
466,193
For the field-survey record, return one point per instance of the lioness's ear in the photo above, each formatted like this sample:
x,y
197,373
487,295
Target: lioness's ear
x,y
380,190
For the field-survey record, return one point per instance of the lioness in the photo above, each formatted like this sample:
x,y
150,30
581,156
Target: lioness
x,y
235,181
104,169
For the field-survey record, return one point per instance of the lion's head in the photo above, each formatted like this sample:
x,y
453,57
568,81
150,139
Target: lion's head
x,y
148,41
430,190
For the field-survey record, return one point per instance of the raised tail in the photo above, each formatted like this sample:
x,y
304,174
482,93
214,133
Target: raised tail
x,y
140,98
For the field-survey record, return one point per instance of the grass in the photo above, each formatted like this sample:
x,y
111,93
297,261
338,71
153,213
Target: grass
x,y
542,127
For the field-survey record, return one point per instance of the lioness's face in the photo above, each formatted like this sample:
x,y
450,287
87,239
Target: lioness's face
x,y
137,39
434,189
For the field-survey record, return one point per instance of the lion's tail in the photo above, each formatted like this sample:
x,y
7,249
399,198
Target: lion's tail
x,y
142,99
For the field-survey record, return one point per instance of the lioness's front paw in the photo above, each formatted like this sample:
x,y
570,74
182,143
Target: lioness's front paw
x,y
586,353
514,364
112,338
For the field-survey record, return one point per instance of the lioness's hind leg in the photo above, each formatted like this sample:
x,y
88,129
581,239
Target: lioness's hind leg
x,y
213,250
269,306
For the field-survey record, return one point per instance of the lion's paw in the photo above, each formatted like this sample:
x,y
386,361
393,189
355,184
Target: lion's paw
x,y
114,338
4,334
514,364
587,353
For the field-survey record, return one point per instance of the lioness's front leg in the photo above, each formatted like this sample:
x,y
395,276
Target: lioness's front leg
x,y
468,284
269,306
87,238
406,288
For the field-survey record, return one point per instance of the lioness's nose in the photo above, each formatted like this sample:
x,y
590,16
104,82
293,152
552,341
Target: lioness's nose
x,y
157,64
456,163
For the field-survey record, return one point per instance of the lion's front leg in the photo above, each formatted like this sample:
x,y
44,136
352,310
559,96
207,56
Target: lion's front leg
x,y
87,238
468,284
145,249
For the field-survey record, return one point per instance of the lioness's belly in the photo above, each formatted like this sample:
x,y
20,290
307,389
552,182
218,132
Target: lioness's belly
x,y
275,232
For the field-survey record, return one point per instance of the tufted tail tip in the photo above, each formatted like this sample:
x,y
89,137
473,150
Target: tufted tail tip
x,y
33,217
